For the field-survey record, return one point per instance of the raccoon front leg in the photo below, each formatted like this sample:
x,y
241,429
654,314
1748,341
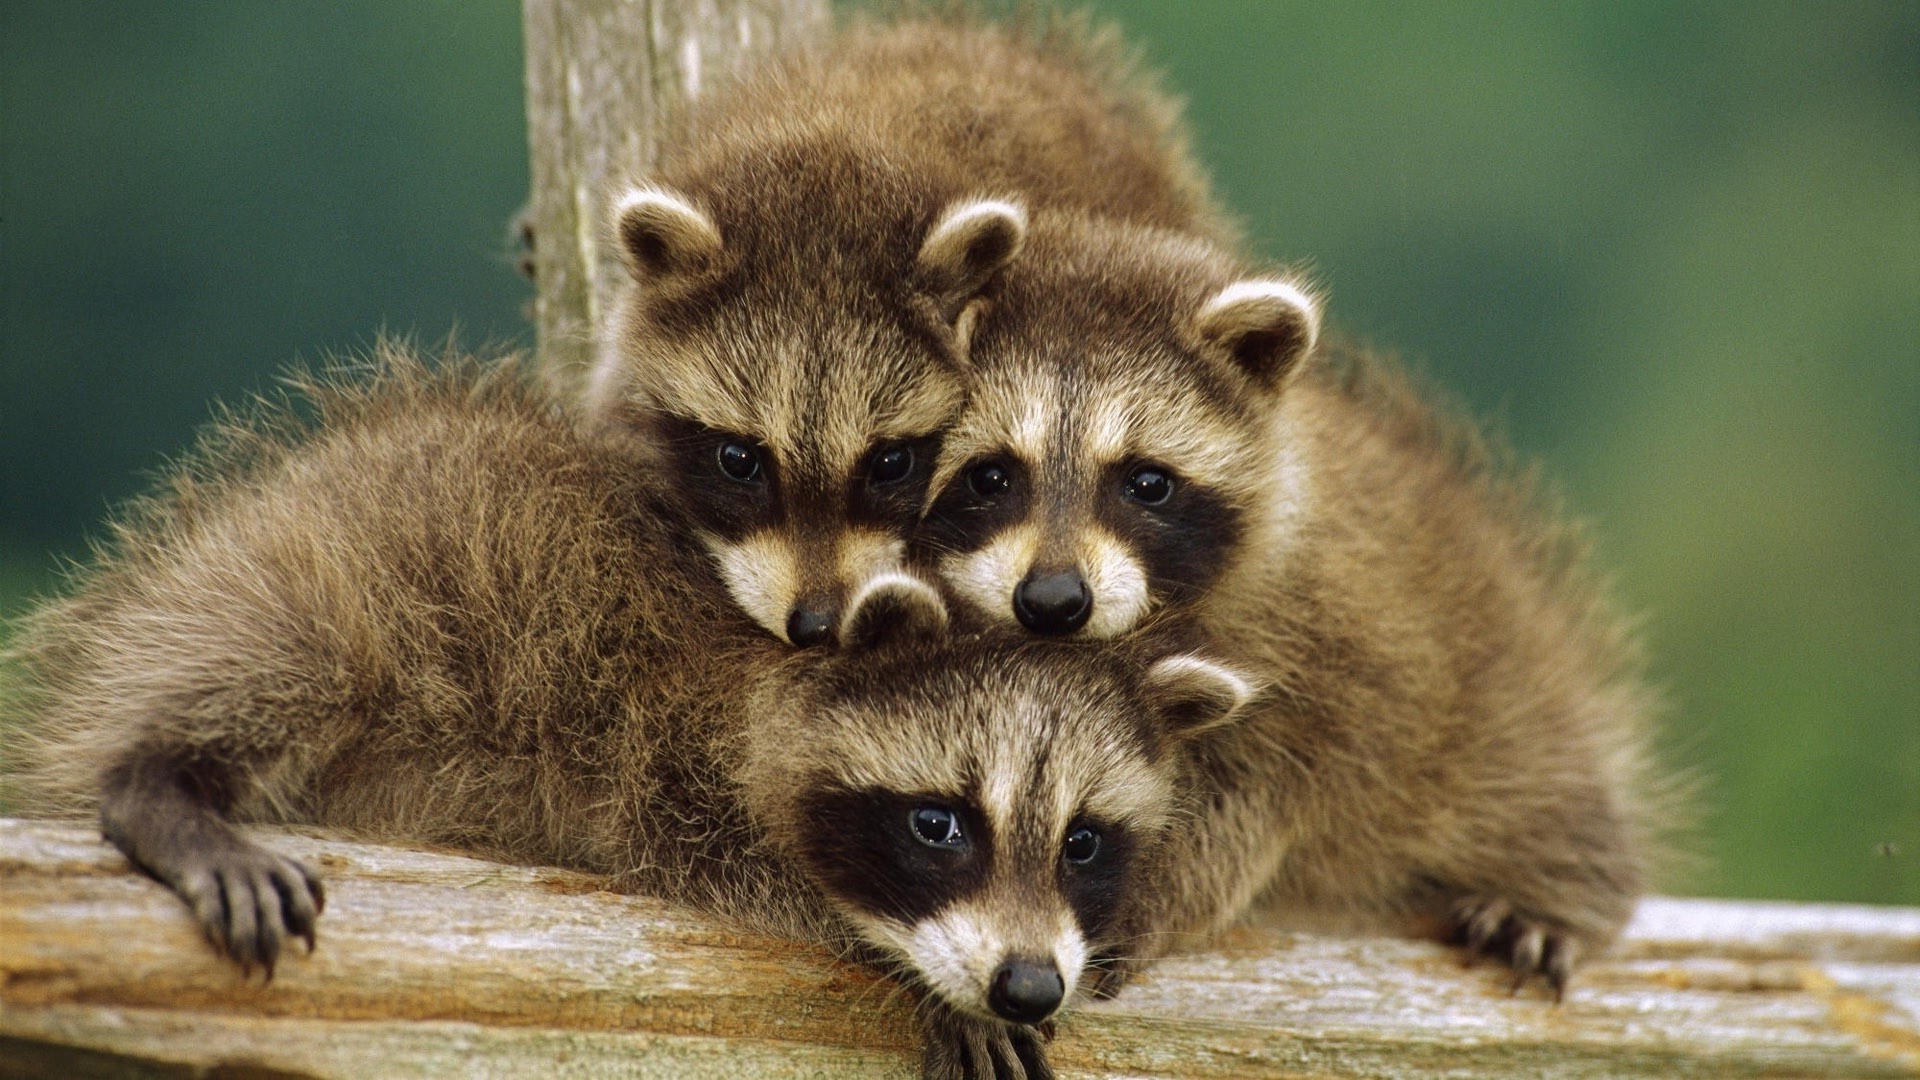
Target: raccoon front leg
x,y
956,1047
1541,898
248,900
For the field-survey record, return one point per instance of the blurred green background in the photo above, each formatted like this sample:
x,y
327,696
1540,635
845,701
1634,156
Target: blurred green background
x,y
1672,250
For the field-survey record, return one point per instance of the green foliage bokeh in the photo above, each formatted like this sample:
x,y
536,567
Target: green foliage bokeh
x,y
1671,250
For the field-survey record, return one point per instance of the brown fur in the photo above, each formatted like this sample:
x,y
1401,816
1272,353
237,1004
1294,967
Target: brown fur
x,y
440,613
434,614
1454,723
782,292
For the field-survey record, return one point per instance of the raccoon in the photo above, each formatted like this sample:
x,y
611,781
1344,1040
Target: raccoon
x,y
810,260
439,613
1459,727
1118,451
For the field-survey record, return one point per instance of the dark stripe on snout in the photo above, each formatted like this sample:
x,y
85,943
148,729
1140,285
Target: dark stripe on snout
x,y
860,846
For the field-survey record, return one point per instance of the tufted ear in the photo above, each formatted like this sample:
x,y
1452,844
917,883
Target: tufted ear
x,y
1191,695
970,242
663,237
893,607
1263,325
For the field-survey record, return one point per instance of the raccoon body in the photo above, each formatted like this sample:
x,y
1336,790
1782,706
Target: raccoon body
x,y
810,260
1454,724
439,613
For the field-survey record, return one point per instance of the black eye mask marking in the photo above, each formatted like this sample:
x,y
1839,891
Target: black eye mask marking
x,y
1181,531
877,850
987,495
890,485
1095,883
727,481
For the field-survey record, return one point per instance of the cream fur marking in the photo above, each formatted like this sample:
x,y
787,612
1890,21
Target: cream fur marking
x,y
1209,678
687,236
1117,581
1288,506
1070,956
1260,292
1109,430
931,610
1032,434
962,222
986,578
1005,783
865,554
669,206
958,951
761,574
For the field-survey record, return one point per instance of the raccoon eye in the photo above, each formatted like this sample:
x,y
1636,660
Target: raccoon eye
x,y
1149,486
739,461
989,480
890,464
937,826
1081,846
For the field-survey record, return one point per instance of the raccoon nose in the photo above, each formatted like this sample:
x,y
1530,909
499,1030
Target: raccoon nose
x,y
1026,991
1053,603
809,625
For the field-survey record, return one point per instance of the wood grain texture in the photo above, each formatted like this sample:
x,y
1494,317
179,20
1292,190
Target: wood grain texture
x,y
603,79
436,964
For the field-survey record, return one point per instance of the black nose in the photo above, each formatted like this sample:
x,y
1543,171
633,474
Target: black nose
x,y
809,625
1026,991
1053,603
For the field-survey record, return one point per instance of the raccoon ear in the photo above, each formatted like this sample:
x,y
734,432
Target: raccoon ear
x,y
664,237
1192,695
1263,325
964,249
893,607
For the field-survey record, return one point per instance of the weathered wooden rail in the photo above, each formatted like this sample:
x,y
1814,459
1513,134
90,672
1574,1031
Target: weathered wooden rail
x,y
439,965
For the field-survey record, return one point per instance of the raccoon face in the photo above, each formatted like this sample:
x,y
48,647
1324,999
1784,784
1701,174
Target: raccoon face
x,y
1106,467
981,814
798,421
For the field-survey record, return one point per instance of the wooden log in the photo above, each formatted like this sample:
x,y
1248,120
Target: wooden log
x,y
604,78
436,964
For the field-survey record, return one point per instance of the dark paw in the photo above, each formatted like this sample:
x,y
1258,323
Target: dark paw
x,y
1527,945
250,900
962,1048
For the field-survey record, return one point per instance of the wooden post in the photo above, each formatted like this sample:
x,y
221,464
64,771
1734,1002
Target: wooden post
x,y
603,77
438,965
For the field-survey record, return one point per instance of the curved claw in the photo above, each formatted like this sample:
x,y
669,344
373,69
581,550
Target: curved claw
x,y
1530,947
964,1048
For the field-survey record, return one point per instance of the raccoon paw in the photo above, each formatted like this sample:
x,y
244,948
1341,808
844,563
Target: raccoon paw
x,y
248,900
962,1048
1526,944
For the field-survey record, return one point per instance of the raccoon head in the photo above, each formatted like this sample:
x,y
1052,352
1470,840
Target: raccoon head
x,y
789,382
1120,431
980,813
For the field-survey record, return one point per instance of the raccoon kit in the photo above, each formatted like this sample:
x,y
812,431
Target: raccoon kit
x,y
1455,724
809,263
442,615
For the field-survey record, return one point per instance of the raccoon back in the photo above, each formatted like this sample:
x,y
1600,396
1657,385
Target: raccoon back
x,y
432,612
